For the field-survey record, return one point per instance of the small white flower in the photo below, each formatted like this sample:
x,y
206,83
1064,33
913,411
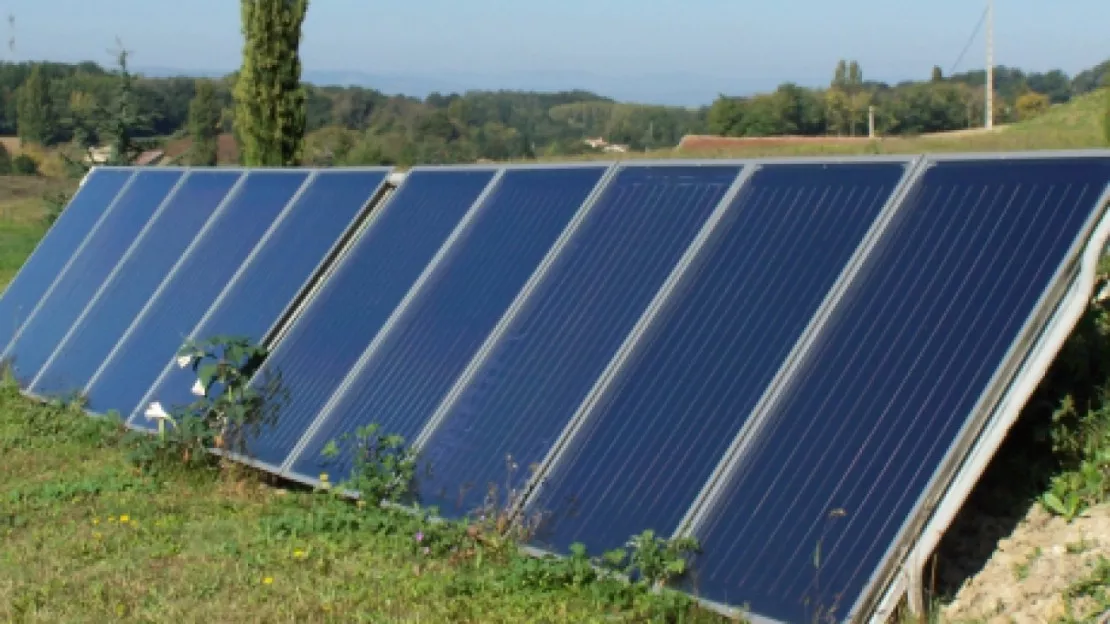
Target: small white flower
x,y
155,411
183,361
198,388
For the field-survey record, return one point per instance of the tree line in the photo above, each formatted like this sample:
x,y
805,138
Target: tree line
x,y
913,107
85,104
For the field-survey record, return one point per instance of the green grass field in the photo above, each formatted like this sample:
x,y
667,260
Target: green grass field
x,y
87,536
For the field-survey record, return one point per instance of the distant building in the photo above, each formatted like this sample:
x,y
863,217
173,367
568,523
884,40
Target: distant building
x,y
605,146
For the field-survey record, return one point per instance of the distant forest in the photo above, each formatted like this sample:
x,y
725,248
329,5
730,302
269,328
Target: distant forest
x,y
353,125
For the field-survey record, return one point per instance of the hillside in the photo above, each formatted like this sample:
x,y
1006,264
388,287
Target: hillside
x,y
1076,124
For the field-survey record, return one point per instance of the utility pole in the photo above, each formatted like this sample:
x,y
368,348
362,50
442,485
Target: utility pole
x,y
871,122
990,65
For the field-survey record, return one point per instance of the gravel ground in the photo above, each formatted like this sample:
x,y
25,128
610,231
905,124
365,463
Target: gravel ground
x,y
1026,578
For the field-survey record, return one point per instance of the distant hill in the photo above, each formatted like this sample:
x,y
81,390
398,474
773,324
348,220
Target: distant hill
x,y
672,89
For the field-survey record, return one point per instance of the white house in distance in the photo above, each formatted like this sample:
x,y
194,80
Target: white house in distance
x,y
601,144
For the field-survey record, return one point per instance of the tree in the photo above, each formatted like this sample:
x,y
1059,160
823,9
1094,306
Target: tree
x,y
204,125
124,120
37,121
1032,104
270,100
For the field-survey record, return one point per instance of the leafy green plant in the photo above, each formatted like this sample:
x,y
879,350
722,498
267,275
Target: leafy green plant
x,y
229,407
384,466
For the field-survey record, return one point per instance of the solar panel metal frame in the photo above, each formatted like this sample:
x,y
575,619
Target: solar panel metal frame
x,y
583,209
233,194
343,257
318,272
4,353
1007,375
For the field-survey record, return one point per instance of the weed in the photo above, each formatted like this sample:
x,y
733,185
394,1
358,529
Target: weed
x,y
228,410
384,466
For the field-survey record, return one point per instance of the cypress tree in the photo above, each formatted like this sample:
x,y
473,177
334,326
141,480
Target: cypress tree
x,y
204,125
270,113
35,115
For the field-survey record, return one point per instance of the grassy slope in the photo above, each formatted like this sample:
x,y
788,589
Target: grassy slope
x,y
88,538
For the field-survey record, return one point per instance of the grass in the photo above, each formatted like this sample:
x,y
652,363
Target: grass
x,y
22,211
87,536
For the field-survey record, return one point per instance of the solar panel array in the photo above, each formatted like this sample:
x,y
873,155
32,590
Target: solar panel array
x,y
779,358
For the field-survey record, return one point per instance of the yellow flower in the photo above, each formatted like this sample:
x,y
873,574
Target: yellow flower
x,y
97,535
96,521
298,554
124,518
111,518
269,580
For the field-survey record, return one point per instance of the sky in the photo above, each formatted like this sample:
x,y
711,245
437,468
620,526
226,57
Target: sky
x,y
647,49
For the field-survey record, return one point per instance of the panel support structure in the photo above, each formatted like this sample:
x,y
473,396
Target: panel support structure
x,y
988,429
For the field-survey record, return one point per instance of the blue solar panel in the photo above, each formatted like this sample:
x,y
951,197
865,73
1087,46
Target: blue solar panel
x,y
56,249
570,328
658,432
456,309
190,290
841,461
104,321
92,264
269,285
357,299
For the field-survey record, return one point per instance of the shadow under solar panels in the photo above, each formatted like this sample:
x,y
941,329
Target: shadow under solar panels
x,y
74,289
399,381
145,265
654,432
843,458
55,251
258,298
191,288
356,300
544,363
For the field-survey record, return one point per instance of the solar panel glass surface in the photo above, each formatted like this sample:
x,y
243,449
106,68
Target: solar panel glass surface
x,y
456,309
188,292
370,281
657,433
841,461
58,245
92,264
328,208
572,325
104,321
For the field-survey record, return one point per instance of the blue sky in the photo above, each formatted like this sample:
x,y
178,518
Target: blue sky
x,y
732,46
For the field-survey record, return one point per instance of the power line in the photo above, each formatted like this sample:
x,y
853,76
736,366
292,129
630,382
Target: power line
x,y
970,40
